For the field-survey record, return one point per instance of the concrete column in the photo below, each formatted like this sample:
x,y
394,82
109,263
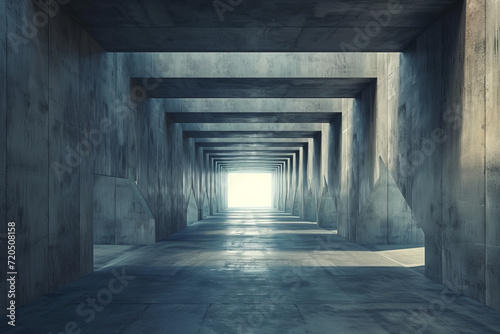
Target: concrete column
x,y
330,176
492,155
3,143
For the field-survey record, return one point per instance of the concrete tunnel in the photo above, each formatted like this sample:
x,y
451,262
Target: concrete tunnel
x,y
377,122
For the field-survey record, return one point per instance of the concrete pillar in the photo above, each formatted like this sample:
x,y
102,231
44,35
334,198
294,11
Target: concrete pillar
x,y
492,156
192,210
330,175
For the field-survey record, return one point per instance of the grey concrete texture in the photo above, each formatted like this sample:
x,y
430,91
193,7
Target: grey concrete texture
x,y
27,177
246,127
267,65
251,117
3,143
435,103
286,107
270,65
431,115
327,211
192,211
256,87
315,26
358,160
258,272
68,113
121,215
492,218
386,217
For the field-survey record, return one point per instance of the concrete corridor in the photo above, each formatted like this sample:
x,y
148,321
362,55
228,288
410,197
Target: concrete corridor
x,y
257,271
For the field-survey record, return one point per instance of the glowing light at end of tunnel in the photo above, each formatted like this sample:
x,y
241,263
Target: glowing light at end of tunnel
x,y
249,190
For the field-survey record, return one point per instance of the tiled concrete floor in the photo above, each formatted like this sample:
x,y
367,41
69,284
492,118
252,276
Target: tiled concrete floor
x,y
255,272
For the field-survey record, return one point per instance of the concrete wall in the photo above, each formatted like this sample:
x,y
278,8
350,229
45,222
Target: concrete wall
x,y
3,144
70,112
470,239
121,216
435,126
419,149
41,95
492,219
442,91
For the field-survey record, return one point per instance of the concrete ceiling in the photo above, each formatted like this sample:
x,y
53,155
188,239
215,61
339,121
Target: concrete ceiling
x,y
251,26
248,110
249,145
256,87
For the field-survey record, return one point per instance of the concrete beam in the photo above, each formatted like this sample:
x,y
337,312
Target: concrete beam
x,y
250,130
241,105
262,65
251,144
313,26
244,127
255,87
255,117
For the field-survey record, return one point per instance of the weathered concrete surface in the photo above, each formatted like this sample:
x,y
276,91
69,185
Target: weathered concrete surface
x,y
372,222
68,113
121,215
435,103
174,159
3,152
261,272
414,87
104,210
386,217
331,170
192,210
315,26
135,223
266,65
295,205
345,204
28,154
256,87
86,119
327,211
463,215
432,115
64,192
402,226
358,144
492,155
310,207
244,127
246,117
284,107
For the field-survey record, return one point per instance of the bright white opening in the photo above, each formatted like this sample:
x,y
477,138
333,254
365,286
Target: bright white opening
x,y
249,190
